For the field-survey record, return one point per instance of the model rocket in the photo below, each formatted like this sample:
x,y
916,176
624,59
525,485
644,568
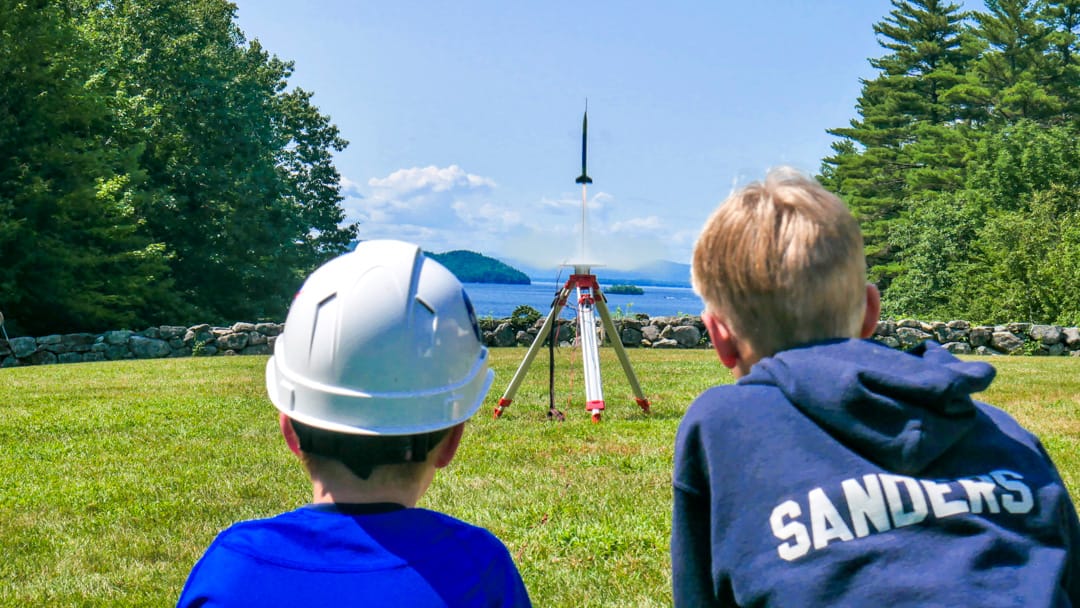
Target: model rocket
x,y
584,177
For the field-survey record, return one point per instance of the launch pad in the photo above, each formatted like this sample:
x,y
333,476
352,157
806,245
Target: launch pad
x,y
590,302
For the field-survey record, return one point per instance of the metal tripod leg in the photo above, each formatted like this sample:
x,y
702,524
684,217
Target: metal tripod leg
x,y
545,329
590,355
620,350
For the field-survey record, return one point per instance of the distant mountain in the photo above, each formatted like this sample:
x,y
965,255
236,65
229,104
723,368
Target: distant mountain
x,y
472,267
660,273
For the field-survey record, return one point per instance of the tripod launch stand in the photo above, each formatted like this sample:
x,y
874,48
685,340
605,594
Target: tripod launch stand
x,y
590,300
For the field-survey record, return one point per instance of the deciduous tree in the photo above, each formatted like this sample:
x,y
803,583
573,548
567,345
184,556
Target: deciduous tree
x,y
240,177
72,253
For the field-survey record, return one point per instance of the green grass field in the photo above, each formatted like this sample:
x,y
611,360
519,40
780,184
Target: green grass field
x,y
116,476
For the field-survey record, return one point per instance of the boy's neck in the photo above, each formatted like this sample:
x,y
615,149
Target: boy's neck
x,y
343,487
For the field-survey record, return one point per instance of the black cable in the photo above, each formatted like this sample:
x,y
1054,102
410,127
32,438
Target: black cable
x,y
552,337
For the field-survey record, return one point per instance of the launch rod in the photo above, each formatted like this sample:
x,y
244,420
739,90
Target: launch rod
x,y
584,255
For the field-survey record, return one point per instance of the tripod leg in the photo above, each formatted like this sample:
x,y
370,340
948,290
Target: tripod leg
x,y
534,348
594,393
620,350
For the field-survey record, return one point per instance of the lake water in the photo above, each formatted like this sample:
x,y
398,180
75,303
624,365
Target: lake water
x,y
499,301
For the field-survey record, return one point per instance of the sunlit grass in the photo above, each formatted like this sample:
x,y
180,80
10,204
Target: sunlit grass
x,y
118,475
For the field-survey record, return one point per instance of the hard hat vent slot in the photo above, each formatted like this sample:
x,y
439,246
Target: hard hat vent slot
x,y
421,302
324,334
422,322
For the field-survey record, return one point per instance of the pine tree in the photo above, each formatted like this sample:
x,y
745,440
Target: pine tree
x,y
1016,70
1062,17
909,134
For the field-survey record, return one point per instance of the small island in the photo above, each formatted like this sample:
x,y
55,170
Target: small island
x,y
631,290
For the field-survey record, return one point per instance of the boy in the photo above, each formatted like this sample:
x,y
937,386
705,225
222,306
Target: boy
x,y
837,471
380,364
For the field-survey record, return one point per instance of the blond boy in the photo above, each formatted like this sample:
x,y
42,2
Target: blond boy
x,y
837,471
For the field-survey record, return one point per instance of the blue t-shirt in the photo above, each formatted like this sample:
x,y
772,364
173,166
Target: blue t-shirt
x,y
322,555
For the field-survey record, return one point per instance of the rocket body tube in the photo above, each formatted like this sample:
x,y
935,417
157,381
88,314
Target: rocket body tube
x,y
584,177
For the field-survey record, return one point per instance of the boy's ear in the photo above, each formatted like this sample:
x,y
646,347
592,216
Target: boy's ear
x,y
873,311
723,340
448,448
289,434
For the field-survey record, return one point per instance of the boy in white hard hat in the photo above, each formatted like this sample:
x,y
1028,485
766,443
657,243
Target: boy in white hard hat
x,y
837,471
380,364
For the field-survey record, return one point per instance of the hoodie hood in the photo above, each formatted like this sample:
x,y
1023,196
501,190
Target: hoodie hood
x,y
901,410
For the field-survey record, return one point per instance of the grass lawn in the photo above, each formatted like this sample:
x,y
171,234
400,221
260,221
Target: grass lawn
x,y
116,476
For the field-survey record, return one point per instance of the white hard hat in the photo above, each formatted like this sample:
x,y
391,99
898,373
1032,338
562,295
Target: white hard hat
x,y
380,341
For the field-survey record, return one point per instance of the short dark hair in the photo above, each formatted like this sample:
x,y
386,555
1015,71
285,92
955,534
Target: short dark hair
x,y
362,453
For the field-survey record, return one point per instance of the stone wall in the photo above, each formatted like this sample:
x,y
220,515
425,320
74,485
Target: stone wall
x,y
639,331
959,337
152,343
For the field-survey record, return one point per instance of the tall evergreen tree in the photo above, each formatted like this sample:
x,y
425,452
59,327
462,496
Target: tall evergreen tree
x,y
1016,71
909,133
1062,17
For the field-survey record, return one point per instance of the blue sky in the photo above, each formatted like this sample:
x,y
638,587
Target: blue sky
x,y
464,118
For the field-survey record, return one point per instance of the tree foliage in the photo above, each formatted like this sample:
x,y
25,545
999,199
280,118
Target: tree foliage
x,y
1024,259
472,267
910,135
70,240
963,166
161,170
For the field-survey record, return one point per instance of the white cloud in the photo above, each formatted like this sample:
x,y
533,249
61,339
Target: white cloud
x,y
349,188
420,235
559,203
428,196
638,225
487,215
439,208
685,237
565,200
431,178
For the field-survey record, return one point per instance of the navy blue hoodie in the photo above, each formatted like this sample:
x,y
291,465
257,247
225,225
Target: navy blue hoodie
x,y
847,473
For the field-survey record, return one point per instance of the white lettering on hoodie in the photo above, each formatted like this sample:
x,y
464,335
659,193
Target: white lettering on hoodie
x,y
883,502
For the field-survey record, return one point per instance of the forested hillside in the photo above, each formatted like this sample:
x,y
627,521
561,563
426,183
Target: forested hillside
x,y
963,162
154,167
472,267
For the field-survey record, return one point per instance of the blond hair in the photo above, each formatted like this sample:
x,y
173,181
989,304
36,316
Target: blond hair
x,y
781,262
